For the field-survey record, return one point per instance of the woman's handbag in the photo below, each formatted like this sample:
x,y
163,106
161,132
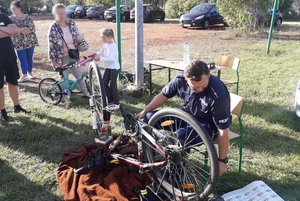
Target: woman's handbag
x,y
73,54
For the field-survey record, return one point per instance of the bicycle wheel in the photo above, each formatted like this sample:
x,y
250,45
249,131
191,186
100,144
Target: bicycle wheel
x,y
97,89
49,91
192,169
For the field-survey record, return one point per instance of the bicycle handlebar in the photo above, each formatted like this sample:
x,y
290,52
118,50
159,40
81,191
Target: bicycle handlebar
x,y
86,60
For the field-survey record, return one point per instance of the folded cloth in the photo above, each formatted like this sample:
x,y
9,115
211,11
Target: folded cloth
x,y
108,182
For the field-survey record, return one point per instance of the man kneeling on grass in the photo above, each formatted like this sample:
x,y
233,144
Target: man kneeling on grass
x,y
8,65
206,98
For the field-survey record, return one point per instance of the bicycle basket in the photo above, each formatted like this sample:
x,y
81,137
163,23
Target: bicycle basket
x,y
84,68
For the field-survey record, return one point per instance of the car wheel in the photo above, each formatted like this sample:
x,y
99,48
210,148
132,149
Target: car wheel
x,y
72,16
123,18
90,18
225,24
149,18
162,18
205,24
184,27
278,22
101,17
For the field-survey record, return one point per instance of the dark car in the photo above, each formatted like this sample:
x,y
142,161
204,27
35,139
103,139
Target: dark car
x,y
80,11
151,12
111,13
96,12
266,20
70,11
202,15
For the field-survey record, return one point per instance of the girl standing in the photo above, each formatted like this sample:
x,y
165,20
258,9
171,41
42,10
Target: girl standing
x,y
25,42
109,55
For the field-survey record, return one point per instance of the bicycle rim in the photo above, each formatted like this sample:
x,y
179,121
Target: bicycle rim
x,y
97,89
192,169
49,92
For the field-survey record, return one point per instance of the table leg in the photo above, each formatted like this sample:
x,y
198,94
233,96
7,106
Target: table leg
x,y
150,73
169,74
219,74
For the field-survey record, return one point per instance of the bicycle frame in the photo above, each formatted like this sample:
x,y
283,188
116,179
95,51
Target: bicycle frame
x,y
141,132
133,161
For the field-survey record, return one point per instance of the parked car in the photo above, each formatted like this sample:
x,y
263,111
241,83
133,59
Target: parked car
x,y
111,13
70,11
96,12
80,11
202,15
278,17
266,20
151,12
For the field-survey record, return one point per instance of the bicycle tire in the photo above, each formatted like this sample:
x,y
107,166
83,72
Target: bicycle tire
x,y
97,90
45,97
212,161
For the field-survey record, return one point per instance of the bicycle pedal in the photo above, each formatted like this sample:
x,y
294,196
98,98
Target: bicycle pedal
x,y
112,108
104,141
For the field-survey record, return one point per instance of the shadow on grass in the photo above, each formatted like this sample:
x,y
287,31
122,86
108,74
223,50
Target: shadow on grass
x,y
273,114
15,186
45,136
286,188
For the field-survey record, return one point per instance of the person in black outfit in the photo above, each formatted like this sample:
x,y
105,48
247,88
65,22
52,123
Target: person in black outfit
x,y
8,65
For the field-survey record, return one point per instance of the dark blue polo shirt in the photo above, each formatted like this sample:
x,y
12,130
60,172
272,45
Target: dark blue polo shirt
x,y
211,106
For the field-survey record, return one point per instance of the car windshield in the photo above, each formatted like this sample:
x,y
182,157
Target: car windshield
x,y
112,8
93,8
70,7
145,7
79,8
201,9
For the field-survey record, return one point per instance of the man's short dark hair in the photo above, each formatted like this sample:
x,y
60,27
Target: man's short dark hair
x,y
195,70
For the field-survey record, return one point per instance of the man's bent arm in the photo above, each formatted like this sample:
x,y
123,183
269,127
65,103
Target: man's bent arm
x,y
8,31
158,101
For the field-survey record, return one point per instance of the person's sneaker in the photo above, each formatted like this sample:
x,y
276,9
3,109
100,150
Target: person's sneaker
x,y
30,76
19,109
3,115
23,79
85,97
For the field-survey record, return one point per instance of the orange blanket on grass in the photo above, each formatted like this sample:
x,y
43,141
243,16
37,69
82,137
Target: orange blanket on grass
x,y
109,182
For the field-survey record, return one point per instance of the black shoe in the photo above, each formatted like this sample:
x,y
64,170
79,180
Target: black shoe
x,y
3,115
19,109
85,97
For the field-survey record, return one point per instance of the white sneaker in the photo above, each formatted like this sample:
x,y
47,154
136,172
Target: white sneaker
x,y
30,76
23,79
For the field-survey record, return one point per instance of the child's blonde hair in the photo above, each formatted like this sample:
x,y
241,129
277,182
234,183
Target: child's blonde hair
x,y
108,33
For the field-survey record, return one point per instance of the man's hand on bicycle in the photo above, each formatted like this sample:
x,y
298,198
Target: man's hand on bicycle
x,y
141,115
97,58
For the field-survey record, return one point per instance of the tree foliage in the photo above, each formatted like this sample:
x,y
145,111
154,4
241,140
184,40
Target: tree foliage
x,y
243,14
176,8
285,5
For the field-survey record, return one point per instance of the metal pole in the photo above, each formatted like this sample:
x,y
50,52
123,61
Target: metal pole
x,y
272,25
139,54
118,17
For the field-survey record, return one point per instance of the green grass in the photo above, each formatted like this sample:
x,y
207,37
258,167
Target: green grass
x,y
31,146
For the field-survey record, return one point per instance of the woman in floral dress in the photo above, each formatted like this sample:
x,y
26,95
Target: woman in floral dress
x,y
25,42
64,31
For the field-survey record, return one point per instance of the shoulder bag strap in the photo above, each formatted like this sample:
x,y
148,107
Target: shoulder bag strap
x,y
61,35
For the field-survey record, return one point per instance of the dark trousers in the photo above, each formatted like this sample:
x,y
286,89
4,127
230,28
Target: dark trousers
x,y
110,83
183,131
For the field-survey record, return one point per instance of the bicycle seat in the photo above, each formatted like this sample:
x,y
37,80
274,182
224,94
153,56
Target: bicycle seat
x,y
60,69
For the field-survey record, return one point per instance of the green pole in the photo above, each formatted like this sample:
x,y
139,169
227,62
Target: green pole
x,y
119,35
272,25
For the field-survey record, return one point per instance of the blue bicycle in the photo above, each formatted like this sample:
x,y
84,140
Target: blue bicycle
x,y
51,91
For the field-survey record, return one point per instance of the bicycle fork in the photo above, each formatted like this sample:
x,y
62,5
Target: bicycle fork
x,y
94,117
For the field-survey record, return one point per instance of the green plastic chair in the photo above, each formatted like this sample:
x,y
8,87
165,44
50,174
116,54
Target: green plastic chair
x,y
236,108
232,63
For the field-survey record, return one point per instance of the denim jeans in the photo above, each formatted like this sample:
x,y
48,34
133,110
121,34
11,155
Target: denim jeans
x,y
25,57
